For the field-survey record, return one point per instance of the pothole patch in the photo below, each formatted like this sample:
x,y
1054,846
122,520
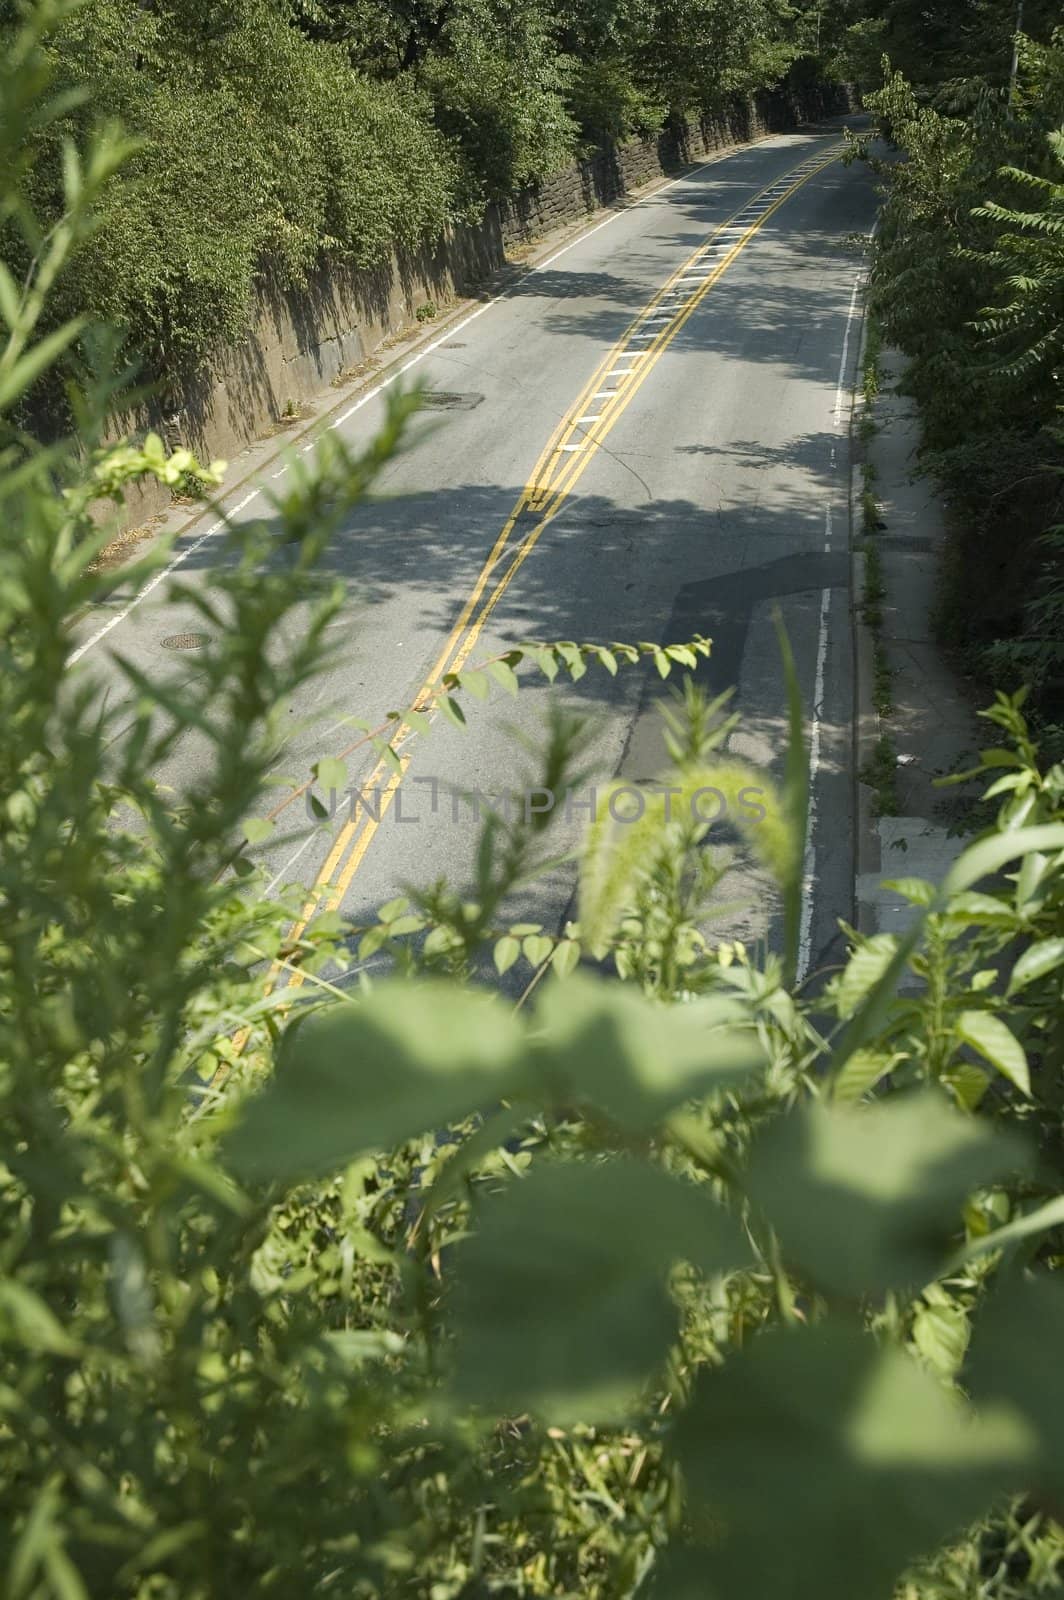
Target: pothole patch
x,y
444,400
186,641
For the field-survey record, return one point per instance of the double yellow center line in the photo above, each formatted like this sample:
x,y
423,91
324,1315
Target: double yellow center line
x,y
565,458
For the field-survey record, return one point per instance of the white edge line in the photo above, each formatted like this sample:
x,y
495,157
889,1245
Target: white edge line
x,y
289,864
809,862
805,936
841,386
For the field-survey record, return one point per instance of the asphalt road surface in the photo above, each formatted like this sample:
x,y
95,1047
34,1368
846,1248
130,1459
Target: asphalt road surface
x,y
646,437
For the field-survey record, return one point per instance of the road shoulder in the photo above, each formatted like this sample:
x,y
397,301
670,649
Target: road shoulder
x,y
915,715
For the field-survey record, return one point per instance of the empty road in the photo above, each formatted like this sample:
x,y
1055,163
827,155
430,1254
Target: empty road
x,y
646,437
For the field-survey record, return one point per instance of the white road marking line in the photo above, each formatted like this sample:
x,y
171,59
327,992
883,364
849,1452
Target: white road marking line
x,y
621,372
572,447
846,351
606,394
805,934
289,864
581,420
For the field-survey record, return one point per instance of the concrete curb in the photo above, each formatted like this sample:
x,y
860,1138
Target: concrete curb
x,y
866,721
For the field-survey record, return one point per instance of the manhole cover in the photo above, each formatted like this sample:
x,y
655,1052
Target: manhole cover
x,y
186,641
441,400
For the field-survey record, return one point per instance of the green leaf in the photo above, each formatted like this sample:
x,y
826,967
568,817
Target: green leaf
x,y
661,661
1051,1215
866,1461
863,971
10,297
607,658
355,1346
507,951
561,1299
31,1322
1035,963
997,1044
406,1059
940,1334
968,1083
451,710
477,684
537,948
983,910
63,1576
257,829
573,657
547,662
1009,784
861,1073
566,957
331,774
372,940
505,675
37,359
916,890
1000,758
868,1199
388,755
981,860
608,1046
1015,1357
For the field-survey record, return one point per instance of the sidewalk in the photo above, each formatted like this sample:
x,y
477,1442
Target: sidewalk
x,y
933,726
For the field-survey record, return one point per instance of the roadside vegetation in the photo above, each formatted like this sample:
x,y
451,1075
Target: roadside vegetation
x,y
677,1279
968,280
271,133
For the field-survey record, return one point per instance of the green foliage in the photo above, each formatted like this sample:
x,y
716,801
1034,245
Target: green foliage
x,y
252,124
272,133
498,89
967,280
665,1285
1028,258
578,1248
